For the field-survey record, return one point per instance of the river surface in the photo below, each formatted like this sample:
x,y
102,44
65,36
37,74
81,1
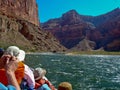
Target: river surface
x,y
84,72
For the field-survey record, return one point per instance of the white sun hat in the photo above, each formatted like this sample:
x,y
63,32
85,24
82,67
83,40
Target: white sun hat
x,y
15,51
39,73
21,55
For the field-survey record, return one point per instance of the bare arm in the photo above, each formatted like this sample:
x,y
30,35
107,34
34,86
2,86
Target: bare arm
x,y
10,67
12,80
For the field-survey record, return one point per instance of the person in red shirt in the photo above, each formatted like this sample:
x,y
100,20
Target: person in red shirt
x,y
9,64
41,81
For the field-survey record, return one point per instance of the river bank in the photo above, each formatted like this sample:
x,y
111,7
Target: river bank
x,y
93,53
78,53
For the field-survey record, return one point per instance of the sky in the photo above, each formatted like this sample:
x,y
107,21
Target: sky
x,y
49,9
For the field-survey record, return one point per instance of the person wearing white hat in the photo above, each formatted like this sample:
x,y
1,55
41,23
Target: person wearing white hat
x,y
9,81
19,73
20,55
8,69
41,82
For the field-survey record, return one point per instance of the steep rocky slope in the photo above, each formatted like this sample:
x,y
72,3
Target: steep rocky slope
x,y
69,29
21,9
19,26
72,28
84,45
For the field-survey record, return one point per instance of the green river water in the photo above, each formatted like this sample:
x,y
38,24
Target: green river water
x,y
84,72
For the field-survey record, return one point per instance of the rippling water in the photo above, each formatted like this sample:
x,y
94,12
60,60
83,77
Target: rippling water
x,y
84,72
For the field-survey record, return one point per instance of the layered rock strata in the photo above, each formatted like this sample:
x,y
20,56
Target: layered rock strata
x,y
20,9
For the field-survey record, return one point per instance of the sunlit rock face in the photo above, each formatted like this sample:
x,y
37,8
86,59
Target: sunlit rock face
x,y
20,9
19,26
27,36
71,28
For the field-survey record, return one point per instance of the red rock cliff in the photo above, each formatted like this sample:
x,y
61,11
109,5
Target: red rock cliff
x,y
20,9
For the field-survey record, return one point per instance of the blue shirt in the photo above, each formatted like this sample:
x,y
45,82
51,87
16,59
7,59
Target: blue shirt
x,y
9,87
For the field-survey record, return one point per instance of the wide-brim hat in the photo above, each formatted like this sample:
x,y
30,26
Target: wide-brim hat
x,y
21,55
39,73
15,51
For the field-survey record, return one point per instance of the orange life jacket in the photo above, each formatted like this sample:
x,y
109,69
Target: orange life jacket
x,y
19,73
41,81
